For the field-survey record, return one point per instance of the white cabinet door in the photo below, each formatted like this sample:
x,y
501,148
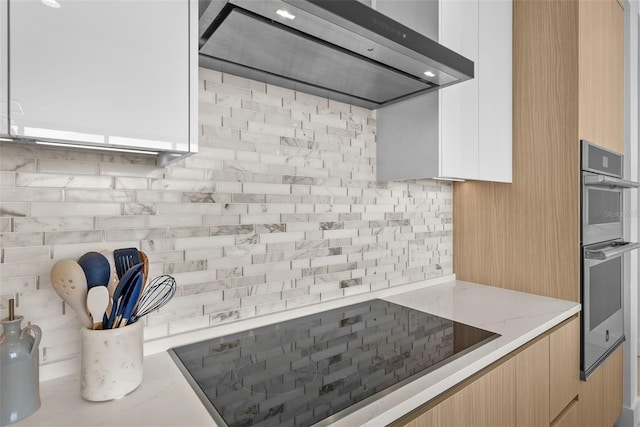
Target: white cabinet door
x,y
112,72
459,103
467,133
495,90
4,68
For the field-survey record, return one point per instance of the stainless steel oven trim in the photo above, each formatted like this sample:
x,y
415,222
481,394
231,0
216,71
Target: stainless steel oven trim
x,y
611,250
608,181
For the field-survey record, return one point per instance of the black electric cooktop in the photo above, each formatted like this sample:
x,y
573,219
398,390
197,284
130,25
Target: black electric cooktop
x,y
323,366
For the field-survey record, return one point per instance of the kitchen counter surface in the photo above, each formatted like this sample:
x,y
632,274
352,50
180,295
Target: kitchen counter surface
x,y
166,399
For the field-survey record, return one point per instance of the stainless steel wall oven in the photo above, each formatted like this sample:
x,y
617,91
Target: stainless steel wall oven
x,y
603,254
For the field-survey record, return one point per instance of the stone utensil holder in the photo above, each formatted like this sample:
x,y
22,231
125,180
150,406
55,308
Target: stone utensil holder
x,y
111,362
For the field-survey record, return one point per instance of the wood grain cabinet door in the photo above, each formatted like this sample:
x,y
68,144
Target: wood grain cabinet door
x,y
601,73
488,401
600,401
564,372
532,385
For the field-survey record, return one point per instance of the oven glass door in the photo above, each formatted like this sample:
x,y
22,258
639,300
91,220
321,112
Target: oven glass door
x,y
602,322
602,214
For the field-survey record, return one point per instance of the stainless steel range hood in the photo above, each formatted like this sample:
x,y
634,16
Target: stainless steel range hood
x,y
339,49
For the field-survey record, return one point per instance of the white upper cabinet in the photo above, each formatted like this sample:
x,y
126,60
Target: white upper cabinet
x,y
462,131
114,73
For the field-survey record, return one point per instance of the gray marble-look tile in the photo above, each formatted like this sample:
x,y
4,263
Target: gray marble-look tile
x,y
63,237
351,282
139,209
14,209
190,197
26,179
135,234
17,164
20,239
224,230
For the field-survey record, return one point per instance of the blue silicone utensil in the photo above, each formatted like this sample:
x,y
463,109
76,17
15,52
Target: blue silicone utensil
x,y
125,259
123,287
96,269
129,301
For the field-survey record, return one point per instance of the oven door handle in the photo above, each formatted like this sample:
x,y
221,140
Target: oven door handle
x,y
609,181
612,251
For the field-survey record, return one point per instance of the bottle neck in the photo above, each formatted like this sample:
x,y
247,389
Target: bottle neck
x,y
12,327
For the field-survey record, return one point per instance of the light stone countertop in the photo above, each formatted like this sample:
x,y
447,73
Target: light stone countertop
x,y
166,399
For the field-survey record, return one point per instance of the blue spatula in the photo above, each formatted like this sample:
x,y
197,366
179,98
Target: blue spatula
x,y
122,289
124,259
129,301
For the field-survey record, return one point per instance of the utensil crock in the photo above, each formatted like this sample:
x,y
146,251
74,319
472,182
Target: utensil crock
x,y
111,362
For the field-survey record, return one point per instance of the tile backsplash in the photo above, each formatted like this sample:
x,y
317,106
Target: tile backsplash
x,y
279,209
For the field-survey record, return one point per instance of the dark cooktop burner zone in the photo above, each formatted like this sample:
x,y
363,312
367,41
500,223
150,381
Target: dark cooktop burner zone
x,y
299,372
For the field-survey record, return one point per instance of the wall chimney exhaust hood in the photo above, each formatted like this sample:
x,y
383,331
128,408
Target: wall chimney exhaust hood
x,y
338,49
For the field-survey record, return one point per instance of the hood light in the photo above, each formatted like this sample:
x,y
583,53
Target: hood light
x,y
285,14
429,74
51,3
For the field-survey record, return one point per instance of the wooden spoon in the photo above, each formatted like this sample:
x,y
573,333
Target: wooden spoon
x,y
69,282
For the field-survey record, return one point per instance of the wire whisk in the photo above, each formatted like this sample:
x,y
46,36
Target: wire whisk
x,y
156,294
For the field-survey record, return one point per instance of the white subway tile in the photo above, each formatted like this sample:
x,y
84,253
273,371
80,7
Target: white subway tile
x,y
126,183
256,188
208,75
233,80
75,209
26,179
269,129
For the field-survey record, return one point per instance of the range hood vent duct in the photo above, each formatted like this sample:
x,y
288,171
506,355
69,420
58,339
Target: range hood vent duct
x,y
338,49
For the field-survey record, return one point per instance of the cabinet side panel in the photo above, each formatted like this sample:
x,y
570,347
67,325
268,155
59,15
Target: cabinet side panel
x,y
407,139
525,236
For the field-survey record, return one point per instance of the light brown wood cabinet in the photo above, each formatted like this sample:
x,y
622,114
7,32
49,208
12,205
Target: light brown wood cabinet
x,y
518,390
532,384
568,84
601,73
487,401
564,370
569,418
600,401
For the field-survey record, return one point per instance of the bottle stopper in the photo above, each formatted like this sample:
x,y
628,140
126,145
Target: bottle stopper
x,y
12,308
